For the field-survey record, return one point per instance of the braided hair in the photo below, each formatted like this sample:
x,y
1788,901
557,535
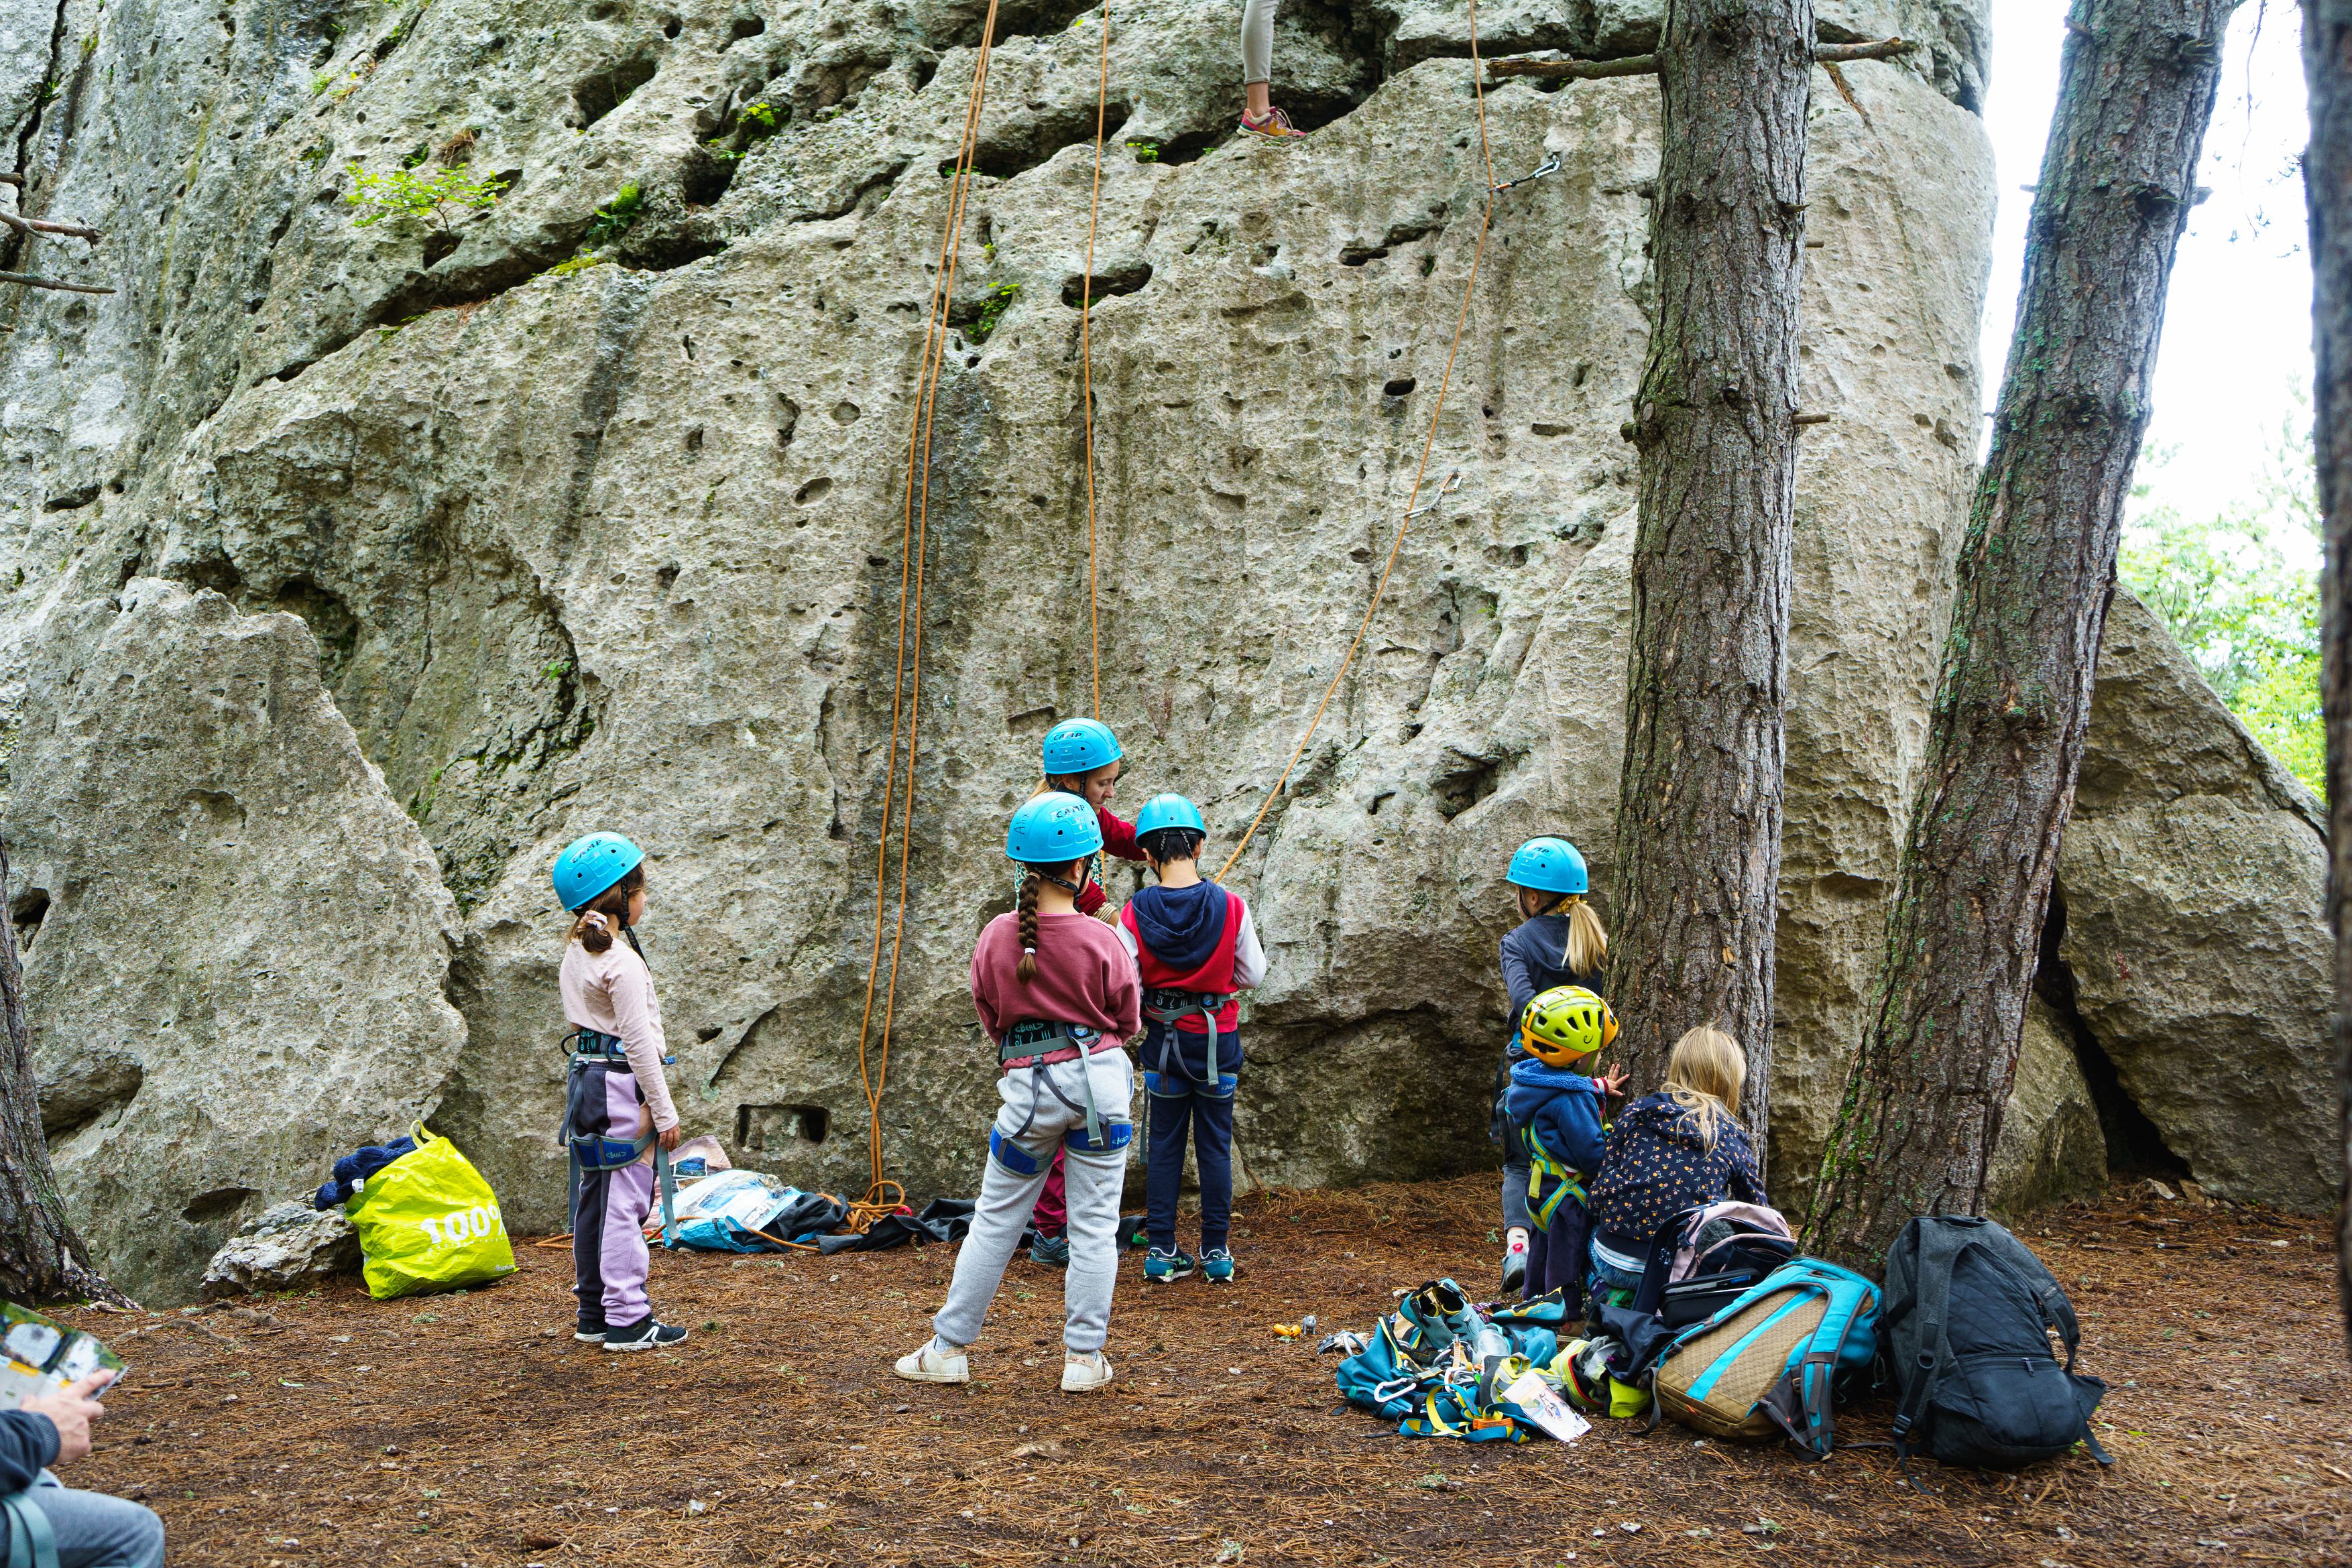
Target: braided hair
x,y
1027,908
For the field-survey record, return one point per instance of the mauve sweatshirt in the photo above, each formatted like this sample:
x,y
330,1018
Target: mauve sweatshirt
x,y
1084,977
612,992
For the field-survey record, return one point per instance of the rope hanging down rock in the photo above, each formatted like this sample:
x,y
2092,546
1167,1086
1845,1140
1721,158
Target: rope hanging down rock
x,y
1411,507
905,693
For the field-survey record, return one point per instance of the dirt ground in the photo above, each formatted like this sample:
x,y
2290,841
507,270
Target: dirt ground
x,y
330,1429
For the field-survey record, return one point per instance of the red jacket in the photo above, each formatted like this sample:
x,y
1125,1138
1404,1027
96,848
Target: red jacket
x,y
1213,973
1119,839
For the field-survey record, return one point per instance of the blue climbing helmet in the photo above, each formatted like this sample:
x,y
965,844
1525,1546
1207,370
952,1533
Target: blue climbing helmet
x,y
1053,828
1079,745
1168,812
1547,866
590,865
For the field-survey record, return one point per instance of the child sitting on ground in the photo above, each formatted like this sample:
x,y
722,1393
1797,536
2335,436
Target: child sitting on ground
x,y
1058,995
1194,946
1672,1151
1556,1116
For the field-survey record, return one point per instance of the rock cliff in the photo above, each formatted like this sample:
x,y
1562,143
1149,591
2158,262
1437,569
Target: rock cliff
x,y
416,553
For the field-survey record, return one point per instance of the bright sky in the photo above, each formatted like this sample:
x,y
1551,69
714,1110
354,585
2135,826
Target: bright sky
x,y
2237,331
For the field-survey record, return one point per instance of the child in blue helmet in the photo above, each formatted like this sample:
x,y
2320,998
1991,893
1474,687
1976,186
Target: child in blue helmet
x,y
1081,757
1558,941
617,1105
1194,946
1058,995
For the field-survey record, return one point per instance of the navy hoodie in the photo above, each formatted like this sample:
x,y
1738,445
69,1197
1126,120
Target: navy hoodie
x,y
1558,1110
1181,926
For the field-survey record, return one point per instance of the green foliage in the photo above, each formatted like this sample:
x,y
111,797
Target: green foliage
x,y
991,310
405,194
320,82
757,119
2241,591
1146,152
580,262
613,218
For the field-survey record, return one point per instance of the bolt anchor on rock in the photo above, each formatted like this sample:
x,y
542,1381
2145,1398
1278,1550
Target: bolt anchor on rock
x,y
1549,166
1452,481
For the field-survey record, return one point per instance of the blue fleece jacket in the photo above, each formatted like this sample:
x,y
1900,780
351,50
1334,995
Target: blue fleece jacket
x,y
1181,926
28,1444
1559,1111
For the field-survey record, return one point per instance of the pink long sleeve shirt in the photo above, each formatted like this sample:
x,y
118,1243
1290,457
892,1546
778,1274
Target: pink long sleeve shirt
x,y
612,992
1084,977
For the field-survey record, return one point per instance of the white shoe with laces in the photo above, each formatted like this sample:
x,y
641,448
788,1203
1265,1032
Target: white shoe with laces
x,y
934,1364
1084,1372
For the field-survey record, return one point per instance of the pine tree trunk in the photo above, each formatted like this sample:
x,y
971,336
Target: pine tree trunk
x,y
1698,821
41,1259
2327,184
1922,1104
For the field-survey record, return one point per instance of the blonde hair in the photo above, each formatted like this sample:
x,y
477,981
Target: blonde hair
x,y
1586,951
1705,1076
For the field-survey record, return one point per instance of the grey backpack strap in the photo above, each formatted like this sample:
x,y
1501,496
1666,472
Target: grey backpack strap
x,y
32,1543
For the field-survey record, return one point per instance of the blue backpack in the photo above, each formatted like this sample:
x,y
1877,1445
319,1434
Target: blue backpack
x,y
1768,1362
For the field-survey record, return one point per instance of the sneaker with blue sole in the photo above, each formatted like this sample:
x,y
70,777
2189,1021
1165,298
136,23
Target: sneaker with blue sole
x,y
1217,1265
1053,1251
1166,1268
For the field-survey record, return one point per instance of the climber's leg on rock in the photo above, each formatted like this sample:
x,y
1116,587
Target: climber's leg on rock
x,y
1259,116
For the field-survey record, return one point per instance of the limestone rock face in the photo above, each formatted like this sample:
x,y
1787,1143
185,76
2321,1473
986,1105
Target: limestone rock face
x,y
2194,874
2051,1148
290,1246
239,964
620,547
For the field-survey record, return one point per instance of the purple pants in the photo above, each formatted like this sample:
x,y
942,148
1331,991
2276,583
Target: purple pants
x,y
1556,1256
609,1256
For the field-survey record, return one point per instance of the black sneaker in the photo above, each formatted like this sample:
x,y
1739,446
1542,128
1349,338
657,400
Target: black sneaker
x,y
644,1334
589,1333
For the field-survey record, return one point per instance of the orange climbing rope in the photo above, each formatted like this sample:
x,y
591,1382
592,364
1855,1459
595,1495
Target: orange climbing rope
x,y
905,695
1396,545
1087,358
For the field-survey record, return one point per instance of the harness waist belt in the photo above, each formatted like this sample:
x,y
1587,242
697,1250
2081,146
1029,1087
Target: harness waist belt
x,y
1036,1041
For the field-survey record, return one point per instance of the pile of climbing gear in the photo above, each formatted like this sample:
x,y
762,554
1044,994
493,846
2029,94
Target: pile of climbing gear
x,y
428,1221
1441,1365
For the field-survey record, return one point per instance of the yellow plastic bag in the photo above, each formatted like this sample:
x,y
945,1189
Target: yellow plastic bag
x,y
429,1222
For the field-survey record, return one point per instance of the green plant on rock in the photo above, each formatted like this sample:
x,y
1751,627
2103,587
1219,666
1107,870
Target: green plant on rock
x,y
613,219
1145,150
580,262
993,308
430,199
758,119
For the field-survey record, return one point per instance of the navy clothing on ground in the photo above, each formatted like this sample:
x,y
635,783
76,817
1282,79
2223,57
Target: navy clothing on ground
x,y
1178,1109
355,1168
28,1444
1657,1164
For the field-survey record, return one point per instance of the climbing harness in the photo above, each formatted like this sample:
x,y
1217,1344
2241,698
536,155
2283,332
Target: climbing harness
x,y
593,1051
1413,505
1164,1007
1037,1044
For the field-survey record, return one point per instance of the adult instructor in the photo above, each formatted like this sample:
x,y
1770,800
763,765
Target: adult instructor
x,y
63,1527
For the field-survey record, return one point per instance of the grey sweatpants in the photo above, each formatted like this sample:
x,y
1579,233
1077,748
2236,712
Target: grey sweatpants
x,y
1258,40
93,1530
1095,1183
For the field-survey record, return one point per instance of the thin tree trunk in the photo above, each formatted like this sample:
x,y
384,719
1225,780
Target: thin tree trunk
x,y
2327,186
41,1259
1698,821
1922,1104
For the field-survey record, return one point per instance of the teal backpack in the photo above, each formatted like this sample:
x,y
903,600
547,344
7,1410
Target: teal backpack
x,y
1768,1362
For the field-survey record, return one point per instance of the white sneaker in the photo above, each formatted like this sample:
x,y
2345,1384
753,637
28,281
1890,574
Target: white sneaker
x,y
932,1364
1083,1374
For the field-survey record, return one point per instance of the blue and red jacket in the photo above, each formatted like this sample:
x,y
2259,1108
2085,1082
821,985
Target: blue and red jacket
x,y
1186,939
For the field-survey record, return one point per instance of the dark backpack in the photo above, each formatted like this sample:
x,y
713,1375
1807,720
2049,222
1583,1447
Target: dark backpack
x,y
1967,1316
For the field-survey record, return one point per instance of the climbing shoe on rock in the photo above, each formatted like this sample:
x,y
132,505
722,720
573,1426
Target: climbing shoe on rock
x,y
935,1362
1053,1251
1216,1264
1082,1373
644,1334
1275,127
1164,1268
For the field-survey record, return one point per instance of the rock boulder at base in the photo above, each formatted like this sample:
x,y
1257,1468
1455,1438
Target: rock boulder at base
x,y
290,1246
2051,1149
237,972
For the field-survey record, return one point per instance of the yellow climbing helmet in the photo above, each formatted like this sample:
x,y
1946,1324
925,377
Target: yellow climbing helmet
x,y
1565,1024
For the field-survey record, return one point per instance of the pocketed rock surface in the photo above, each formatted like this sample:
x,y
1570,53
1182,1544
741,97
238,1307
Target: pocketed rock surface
x,y
442,1431
621,546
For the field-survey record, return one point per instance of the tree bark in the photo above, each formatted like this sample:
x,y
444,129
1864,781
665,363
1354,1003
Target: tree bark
x,y
1923,1103
1698,820
2327,186
41,1257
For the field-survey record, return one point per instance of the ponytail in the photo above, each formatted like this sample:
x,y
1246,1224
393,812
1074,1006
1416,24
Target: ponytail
x,y
1586,951
1026,970
608,911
